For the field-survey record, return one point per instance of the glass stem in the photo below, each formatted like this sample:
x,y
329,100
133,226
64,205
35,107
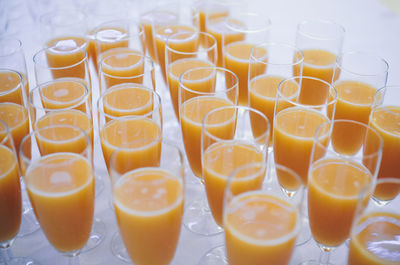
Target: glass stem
x,y
74,260
4,255
324,256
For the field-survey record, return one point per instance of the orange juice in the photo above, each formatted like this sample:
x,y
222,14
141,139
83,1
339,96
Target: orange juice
x,y
10,195
140,137
174,72
319,64
17,119
219,161
224,36
260,229
192,113
152,19
127,100
149,207
64,94
108,38
122,65
61,190
386,120
10,87
237,59
262,95
67,117
294,130
187,43
334,187
375,240
67,53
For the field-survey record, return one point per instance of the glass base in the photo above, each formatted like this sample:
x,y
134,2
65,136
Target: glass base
x,y
199,220
21,261
215,256
97,235
29,223
118,248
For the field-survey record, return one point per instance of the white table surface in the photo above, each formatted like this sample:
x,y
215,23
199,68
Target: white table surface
x,y
370,26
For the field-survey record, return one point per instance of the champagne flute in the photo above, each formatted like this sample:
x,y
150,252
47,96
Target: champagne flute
x,y
56,163
153,222
10,197
337,182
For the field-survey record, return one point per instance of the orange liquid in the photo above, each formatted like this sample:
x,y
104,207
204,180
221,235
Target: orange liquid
x,y
220,160
207,11
187,43
120,67
333,192
67,117
10,89
376,243
141,137
293,138
109,38
64,94
262,95
17,119
237,59
149,220
10,195
179,67
63,199
224,36
67,52
318,64
266,237
388,126
192,113
127,101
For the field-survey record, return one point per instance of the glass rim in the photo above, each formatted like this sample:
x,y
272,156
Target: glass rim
x,y
7,132
371,55
292,79
109,90
44,64
265,19
216,69
381,105
111,24
237,109
340,28
282,44
208,49
15,50
19,85
84,99
146,59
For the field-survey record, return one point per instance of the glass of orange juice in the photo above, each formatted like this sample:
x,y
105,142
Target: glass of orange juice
x,y
320,41
120,33
183,52
12,57
10,197
123,65
270,63
60,185
148,203
261,225
338,183
295,123
374,236
385,118
11,87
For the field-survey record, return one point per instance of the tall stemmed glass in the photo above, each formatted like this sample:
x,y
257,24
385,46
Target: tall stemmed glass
x,y
149,221
10,197
56,163
200,91
385,118
236,35
374,236
321,41
261,224
337,182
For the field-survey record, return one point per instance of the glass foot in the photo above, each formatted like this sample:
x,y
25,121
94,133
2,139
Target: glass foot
x,y
215,256
97,235
118,248
29,223
198,219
